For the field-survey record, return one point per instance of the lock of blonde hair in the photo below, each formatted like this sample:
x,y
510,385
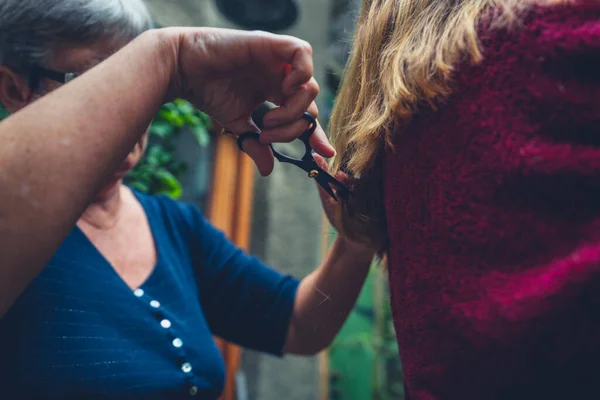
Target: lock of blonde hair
x,y
403,57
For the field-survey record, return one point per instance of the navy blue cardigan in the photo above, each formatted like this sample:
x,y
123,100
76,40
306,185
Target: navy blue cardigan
x,y
79,332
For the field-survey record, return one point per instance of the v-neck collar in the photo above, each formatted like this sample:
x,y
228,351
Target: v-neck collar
x,y
151,223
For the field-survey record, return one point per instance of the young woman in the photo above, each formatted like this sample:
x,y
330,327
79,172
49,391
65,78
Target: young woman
x,y
473,126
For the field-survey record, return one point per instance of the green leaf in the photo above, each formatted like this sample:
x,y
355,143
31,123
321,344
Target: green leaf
x,y
159,169
206,119
185,107
162,114
176,119
170,107
161,129
168,184
201,134
153,156
193,120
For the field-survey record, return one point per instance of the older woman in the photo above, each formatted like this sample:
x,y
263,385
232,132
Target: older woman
x,y
474,127
126,308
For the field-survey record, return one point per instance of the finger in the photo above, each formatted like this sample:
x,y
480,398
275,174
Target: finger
x,y
313,110
320,143
294,106
241,126
261,154
318,140
284,134
297,54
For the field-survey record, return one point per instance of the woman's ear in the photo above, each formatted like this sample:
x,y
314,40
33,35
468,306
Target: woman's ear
x,y
143,143
14,90
137,153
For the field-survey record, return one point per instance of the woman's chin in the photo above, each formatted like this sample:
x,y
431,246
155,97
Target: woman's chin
x,y
110,187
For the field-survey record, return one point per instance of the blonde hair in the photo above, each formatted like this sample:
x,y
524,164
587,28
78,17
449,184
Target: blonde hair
x,y
403,57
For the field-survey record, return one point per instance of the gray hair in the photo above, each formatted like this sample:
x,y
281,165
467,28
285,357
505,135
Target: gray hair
x,y
31,29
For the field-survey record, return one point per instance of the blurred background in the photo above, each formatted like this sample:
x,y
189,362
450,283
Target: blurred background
x,y
278,219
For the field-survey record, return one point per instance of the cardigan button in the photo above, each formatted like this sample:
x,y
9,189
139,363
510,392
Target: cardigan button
x,y
165,323
186,368
193,391
154,304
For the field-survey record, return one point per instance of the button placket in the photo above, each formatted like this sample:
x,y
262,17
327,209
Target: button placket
x,y
155,304
165,323
176,342
186,367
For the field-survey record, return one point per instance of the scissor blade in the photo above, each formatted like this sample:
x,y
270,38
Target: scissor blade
x,y
327,187
342,190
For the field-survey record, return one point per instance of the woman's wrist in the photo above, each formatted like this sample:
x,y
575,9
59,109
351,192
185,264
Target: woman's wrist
x,y
163,49
353,247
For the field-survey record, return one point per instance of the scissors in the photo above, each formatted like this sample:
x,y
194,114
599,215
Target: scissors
x,y
307,162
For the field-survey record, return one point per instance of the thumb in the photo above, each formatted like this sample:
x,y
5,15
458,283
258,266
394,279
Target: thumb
x,y
321,162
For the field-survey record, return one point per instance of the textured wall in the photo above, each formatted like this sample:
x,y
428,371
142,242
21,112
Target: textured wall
x,y
287,212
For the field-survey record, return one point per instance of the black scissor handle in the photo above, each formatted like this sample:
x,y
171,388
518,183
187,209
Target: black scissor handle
x,y
258,118
305,138
307,162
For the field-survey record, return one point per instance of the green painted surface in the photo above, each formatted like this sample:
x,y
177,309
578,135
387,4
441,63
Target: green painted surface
x,y
352,359
364,361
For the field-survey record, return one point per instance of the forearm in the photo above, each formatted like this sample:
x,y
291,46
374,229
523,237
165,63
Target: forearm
x,y
57,153
326,297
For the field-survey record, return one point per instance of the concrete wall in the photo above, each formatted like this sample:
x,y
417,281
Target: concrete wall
x,y
287,212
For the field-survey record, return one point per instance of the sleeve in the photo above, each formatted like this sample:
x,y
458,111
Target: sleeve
x,y
245,302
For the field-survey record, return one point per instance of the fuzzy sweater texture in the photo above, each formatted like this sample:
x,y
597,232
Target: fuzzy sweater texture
x,y
493,206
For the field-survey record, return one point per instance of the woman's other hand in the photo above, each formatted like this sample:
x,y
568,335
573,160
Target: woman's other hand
x,y
229,73
332,207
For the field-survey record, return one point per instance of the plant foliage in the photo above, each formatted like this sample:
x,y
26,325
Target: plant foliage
x,y
159,170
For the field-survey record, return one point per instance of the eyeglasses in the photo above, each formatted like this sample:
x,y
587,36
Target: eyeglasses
x,y
38,73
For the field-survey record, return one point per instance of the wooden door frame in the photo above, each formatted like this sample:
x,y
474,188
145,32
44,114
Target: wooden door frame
x,y
230,210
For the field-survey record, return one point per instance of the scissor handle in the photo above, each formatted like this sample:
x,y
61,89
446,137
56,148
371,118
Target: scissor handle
x,y
258,117
307,162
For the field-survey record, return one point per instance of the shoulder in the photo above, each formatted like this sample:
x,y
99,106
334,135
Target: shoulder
x,y
545,59
539,31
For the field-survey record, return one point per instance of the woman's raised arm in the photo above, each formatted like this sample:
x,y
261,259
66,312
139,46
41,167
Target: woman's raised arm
x,y
57,152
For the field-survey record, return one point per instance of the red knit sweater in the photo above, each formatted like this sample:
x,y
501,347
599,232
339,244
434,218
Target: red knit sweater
x,y
493,208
